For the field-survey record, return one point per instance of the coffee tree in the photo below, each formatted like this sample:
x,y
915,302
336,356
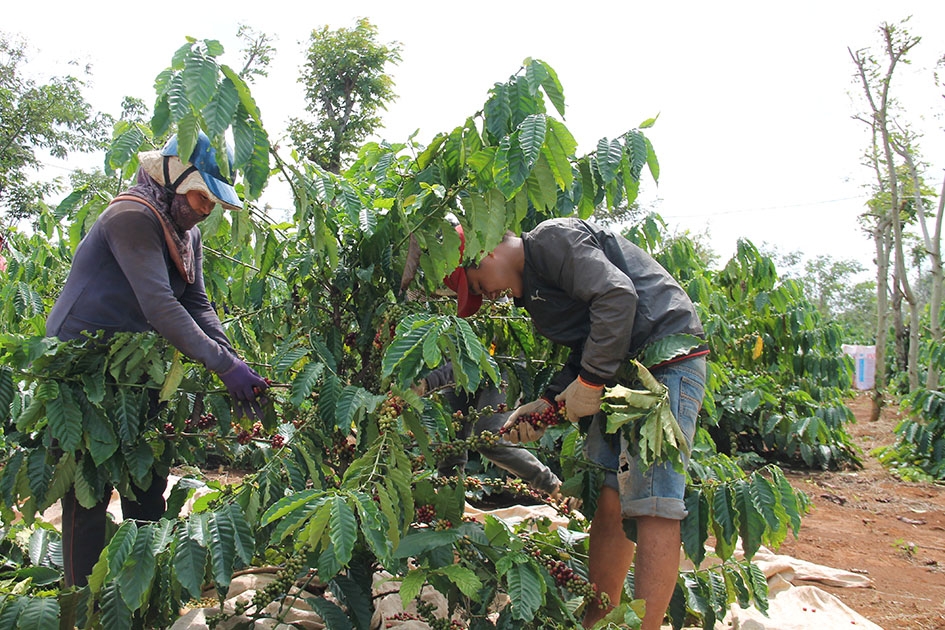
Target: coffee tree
x,y
339,307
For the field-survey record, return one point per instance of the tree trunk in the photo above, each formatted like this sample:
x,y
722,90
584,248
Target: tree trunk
x,y
876,86
933,245
880,238
913,346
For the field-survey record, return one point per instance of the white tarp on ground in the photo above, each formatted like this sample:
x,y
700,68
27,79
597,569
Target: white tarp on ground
x,y
795,601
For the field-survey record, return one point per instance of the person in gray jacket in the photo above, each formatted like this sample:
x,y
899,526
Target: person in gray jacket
x,y
140,268
518,461
606,299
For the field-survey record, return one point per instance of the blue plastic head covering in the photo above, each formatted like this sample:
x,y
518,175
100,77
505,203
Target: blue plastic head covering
x,y
204,160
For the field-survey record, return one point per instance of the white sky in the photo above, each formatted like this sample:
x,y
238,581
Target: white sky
x,y
755,135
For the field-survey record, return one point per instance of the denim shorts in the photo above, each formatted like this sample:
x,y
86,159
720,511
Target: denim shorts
x,y
659,490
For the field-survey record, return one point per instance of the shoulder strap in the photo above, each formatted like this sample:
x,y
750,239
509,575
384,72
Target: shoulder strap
x,y
168,236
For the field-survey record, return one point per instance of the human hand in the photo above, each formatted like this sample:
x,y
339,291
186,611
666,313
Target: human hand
x,y
580,399
568,502
517,428
244,386
420,388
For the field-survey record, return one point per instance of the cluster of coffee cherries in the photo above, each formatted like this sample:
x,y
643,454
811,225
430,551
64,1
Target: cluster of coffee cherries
x,y
380,340
466,550
351,340
204,421
418,463
565,577
244,437
471,416
552,415
434,623
216,619
285,580
425,513
202,602
390,410
495,484
445,450
342,450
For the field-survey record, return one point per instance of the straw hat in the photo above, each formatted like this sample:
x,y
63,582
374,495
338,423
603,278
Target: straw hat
x,y
153,164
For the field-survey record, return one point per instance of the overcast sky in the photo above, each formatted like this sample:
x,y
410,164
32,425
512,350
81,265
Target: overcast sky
x,y
755,135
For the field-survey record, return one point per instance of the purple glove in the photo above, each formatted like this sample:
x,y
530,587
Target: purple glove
x,y
244,385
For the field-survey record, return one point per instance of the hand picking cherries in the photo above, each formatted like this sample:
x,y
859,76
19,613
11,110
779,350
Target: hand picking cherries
x,y
258,390
552,415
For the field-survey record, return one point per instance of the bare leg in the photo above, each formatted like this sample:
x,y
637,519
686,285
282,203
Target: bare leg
x,y
610,553
657,566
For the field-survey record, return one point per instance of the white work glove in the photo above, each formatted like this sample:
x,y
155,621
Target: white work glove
x,y
524,431
569,502
581,399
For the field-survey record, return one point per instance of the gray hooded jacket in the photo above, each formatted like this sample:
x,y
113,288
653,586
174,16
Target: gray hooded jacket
x,y
597,293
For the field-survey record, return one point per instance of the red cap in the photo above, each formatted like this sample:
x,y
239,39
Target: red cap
x,y
467,303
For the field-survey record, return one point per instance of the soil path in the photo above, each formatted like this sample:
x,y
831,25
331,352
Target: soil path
x,y
870,522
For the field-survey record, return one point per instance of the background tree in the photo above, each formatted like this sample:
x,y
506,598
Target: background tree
x,y
833,287
257,50
902,200
929,219
36,119
346,87
884,219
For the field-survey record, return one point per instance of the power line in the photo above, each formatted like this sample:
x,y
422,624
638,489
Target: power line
x,y
763,209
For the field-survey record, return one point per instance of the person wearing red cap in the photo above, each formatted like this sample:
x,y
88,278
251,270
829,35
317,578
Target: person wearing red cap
x,y
468,303
597,293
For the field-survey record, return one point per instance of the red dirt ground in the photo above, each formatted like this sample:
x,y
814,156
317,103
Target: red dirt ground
x,y
870,522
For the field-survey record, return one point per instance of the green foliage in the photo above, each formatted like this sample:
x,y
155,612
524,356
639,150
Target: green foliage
x,y
36,268
732,506
346,87
425,343
644,418
52,117
919,451
339,307
75,417
31,562
777,370
197,93
834,288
